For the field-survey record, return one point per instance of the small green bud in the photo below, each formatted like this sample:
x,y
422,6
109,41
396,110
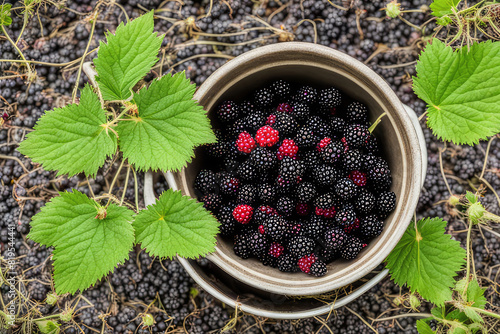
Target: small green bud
x,y
148,320
51,299
66,315
414,302
392,9
454,200
398,300
476,211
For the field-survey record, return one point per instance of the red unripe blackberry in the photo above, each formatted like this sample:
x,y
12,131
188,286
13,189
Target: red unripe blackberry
x,y
287,149
323,142
358,177
245,143
285,108
228,111
276,249
306,261
243,213
267,136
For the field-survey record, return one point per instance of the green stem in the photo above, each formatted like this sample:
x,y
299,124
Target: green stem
x,y
488,313
113,182
409,23
378,120
77,82
125,186
468,245
30,73
25,22
136,190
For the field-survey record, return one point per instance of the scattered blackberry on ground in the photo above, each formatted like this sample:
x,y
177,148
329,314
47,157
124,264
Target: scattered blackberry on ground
x,y
306,94
228,111
365,202
212,202
264,97
329,97
281,89
371,226
247,194
357,113
356,135
285,206
386,203
351,248
305,192
242,246
299,246
263,159
266,193
346,189
228,184
288,263
205,181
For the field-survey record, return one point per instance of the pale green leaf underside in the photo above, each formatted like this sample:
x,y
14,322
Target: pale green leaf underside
x,y
176,225
127,57
170,124
443,7
424,328
427,266
475,294
461,90
71,140
86,248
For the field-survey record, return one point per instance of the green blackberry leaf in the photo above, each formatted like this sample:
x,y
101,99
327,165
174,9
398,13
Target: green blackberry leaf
x,y
441,8
461,90
424,328
168,126
176,225
427,255
5,18
88,242
48,326
475,295
127,57
72,139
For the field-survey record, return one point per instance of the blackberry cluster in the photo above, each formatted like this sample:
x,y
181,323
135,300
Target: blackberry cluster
x,y
299,182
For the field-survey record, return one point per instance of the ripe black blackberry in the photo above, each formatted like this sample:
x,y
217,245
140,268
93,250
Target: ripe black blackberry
x,y
285,206
228,184
288,263
337,125
247,171
383,184
379,171
228,111
329,97
263,158
371,226
332,152
264,97
346,189
356,135
346,215
206,181
315,227
325,176
285,124
371,145
246,108
299,246
266,193
310,158
254,121
319,127
365,202
281,89
228,225
300,111
290,169
306,137
305,192
352,160
306,94
275,227
211,202
242,246
386,203
357,113
351,248
318,268
335,238
234,130
258,243
247,194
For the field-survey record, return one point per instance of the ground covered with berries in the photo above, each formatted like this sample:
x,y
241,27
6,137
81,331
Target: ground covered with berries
x,y
200,37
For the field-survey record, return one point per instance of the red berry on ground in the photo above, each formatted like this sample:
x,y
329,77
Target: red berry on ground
x,y
245,143
306,262
359,178
287,148
267,136
243,213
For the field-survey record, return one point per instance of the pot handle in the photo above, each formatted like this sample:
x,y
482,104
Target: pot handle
x,y
421,140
